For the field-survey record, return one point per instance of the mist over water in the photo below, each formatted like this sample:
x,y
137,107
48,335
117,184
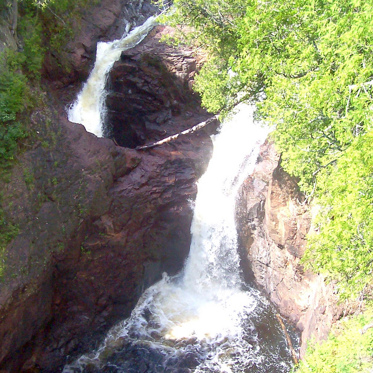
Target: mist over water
x,y
206,319
89,107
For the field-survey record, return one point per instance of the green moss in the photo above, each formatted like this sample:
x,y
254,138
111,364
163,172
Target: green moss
x,y
43,26
8,230
29,179
85,251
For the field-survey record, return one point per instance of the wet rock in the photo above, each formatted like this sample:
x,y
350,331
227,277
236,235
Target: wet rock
x,y
149,92
106,21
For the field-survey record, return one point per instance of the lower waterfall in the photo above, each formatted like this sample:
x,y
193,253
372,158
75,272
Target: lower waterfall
x,y
206,319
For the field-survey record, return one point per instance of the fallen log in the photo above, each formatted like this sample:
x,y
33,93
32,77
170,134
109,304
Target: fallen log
x,y
293,353
174,137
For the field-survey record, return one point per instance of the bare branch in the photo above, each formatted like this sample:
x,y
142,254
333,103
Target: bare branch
x,y
174,137
356,86
365,329
325,166
293,353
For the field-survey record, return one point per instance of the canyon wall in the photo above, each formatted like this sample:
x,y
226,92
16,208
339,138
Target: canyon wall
x,y
67,68
98,223
273,220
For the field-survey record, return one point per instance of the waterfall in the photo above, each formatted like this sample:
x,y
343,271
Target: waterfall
x,y
89,107
205,319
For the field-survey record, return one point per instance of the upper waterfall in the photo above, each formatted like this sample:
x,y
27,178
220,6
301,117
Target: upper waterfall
x,y
89,107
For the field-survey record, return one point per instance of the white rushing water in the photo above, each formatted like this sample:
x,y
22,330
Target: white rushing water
x,y
89,107
203,318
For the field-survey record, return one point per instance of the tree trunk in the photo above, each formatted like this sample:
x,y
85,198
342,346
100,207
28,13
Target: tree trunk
x,y
174,137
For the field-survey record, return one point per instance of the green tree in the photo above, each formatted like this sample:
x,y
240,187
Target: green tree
x,y
343,247
308,66
348,349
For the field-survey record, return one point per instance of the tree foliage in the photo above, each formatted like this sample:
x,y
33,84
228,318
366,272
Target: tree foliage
x,y
348,349
13,88
343,246
309,68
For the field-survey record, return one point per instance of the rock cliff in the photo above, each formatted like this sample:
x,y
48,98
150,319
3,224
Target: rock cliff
x,y
68,68
273,221
150,92
97,222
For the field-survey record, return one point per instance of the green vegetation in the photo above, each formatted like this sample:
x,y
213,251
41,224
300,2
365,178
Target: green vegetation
x,y
308,66
13,88
343,248
41,25
349,348
8,231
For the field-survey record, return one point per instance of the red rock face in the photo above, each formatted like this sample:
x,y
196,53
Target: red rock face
x,y
98,223
273,222
143,233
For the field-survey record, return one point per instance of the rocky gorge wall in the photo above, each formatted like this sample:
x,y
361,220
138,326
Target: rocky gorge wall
x,y
143,104
98,223
273,220
66,69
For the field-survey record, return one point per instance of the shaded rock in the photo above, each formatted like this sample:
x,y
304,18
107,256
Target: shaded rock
x,y
149,92
97,225
66,69
55,192
273,222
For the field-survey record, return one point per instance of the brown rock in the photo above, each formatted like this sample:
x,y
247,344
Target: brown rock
x,y
273,222
97,224
105,21
149,92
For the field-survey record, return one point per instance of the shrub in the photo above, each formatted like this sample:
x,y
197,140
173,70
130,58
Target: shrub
x,y
348,349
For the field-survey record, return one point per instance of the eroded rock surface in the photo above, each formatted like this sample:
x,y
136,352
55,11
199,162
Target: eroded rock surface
x,y
273,222
98,223
67,68
150,92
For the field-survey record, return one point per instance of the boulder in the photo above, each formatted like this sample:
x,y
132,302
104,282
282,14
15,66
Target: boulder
x,y
149,92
